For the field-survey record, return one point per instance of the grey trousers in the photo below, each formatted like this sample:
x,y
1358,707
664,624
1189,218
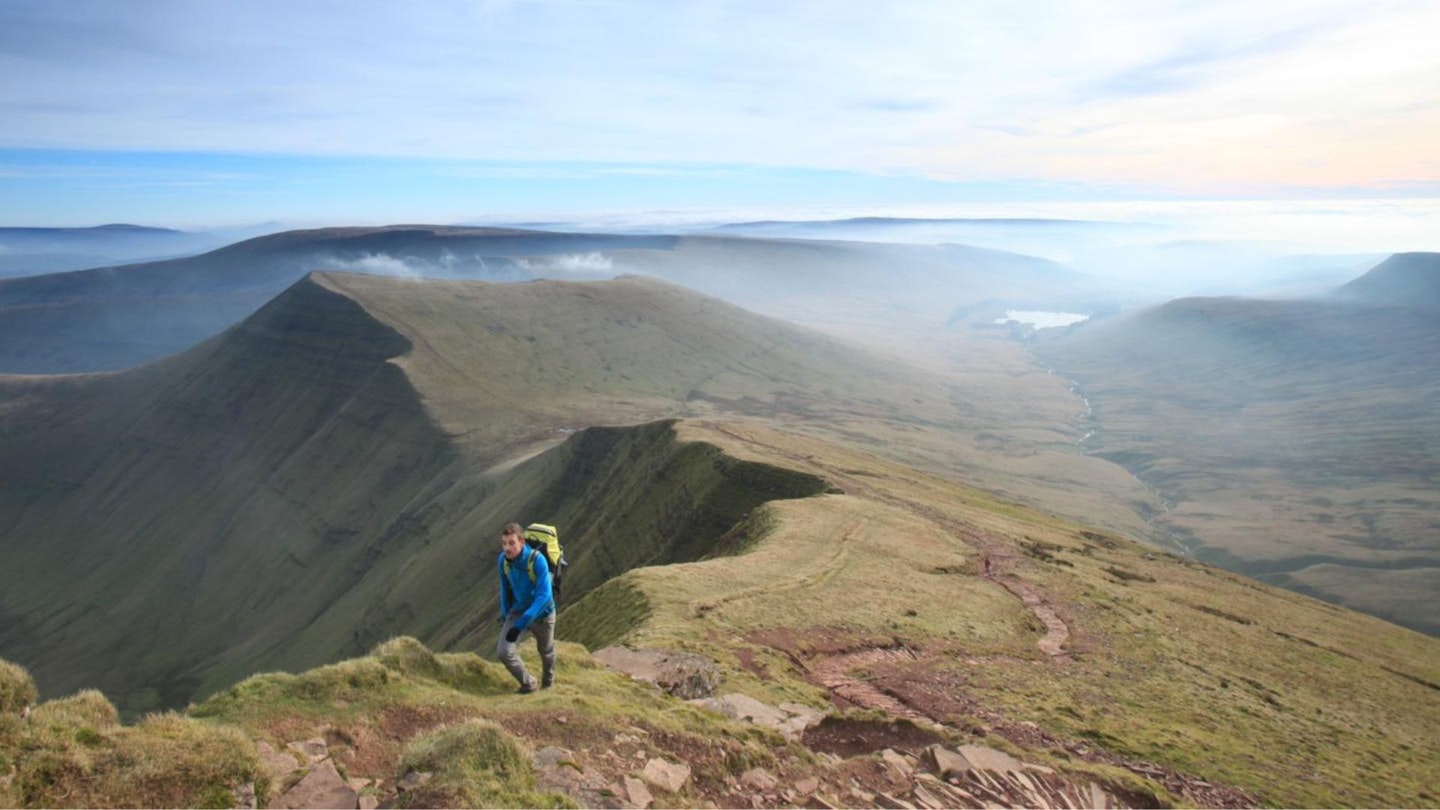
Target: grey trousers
x,y
543,629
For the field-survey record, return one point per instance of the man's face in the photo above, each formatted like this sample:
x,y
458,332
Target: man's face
x,y
512,545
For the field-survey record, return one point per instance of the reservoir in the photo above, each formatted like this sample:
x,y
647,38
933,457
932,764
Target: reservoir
x,y
1041,320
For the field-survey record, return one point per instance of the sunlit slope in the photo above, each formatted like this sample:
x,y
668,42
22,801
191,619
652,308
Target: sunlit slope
x,y
1296,440
1161,660
289,492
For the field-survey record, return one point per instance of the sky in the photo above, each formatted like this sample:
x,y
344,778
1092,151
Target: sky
x,y
192,113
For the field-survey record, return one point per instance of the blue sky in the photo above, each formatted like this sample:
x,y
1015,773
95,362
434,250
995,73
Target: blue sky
x,y
201,113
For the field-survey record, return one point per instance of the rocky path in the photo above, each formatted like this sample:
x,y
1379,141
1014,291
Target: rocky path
x,y
834,674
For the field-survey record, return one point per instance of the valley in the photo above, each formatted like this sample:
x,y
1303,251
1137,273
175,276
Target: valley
x,y
862,515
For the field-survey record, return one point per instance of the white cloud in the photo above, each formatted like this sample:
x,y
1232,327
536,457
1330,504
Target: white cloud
x,y
570,265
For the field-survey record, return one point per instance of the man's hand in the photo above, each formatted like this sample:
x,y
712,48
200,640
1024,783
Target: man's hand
x,y
513,636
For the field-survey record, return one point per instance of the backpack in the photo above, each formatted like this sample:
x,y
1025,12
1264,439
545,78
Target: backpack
x,y
545,539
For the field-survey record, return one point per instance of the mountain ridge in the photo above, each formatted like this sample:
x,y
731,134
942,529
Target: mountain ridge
x,y
1405,279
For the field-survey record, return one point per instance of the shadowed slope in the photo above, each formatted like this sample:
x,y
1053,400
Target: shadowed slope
x,y
1405,279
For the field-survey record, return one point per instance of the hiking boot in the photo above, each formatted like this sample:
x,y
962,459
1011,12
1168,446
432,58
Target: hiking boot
x,y
547,680
526,688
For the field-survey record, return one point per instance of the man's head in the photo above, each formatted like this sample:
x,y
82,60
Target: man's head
x,y
512,540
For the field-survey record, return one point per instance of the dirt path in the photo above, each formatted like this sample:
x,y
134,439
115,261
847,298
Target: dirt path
x,y
833,674
1000,556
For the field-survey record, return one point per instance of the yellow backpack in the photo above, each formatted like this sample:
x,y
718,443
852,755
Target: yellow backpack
x,y
544,538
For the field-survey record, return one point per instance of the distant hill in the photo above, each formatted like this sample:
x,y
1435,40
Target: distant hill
x,y
34,251
1295,440
118,317
312,480
1408,279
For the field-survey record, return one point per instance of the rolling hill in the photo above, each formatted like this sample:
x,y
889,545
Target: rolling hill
x,y
331,472
112,318
35,251
1295,441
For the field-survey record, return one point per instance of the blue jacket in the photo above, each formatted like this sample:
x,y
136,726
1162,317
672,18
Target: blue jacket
x,y
531,599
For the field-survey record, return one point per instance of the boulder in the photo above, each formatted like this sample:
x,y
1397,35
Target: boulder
x,y
947,763
637,794
667,776
897,762
551,756
369,802
684,675
790,719
807,786
988,759
278,764
321,788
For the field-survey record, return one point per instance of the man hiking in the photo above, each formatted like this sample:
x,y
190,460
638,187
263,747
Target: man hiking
x,y
526,603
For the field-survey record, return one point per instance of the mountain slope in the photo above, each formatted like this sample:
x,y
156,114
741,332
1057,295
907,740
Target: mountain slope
x,y
1405,279
222,505
1295,440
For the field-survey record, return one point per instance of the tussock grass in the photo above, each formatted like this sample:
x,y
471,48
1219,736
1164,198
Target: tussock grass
x,y
17,688
73,752
475,764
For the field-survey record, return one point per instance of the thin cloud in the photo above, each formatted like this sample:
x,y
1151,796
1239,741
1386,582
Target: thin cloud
x,y
1179,96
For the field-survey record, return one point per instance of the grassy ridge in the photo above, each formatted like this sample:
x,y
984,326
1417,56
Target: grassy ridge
x,y
1173,662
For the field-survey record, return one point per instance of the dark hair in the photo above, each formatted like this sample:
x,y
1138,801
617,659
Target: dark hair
x,y
512,528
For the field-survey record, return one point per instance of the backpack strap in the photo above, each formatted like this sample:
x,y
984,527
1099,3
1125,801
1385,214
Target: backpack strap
x,y
529,554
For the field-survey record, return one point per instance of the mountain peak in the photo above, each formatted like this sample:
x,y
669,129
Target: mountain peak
x,y
1412,279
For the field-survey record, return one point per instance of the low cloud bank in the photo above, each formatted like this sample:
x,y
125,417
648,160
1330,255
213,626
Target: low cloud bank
x,y
445,266
591,265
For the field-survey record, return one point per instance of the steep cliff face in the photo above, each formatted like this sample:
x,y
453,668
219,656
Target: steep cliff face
x,y
153,519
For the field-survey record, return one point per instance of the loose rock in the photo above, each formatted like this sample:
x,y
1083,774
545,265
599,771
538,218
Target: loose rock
x,y
947,762
321,788
277,763
684,675
638,794
313,750
988,759
413,779
758,779
667,776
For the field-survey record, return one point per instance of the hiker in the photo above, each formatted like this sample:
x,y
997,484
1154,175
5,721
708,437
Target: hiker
x,y
526,603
